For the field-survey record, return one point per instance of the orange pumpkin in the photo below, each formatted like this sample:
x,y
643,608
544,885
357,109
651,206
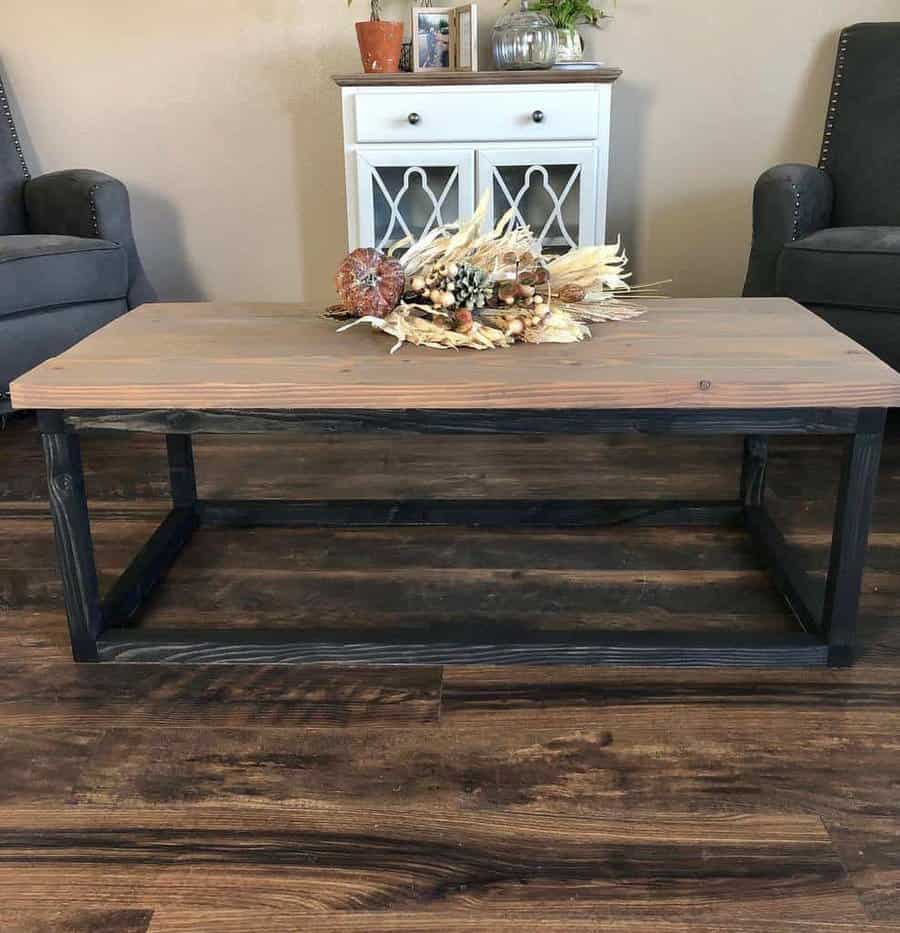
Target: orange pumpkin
x,y
369,283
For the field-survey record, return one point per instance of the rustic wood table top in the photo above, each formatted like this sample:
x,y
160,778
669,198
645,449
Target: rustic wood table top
x,y
682,354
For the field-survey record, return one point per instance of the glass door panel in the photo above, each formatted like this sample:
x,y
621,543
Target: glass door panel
x,y
412,192
549,190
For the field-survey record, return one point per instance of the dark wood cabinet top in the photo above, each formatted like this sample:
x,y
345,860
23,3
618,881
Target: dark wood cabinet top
x,y
601,75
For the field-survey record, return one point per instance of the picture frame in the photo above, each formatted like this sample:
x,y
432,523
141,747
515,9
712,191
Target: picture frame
x,y
433,46
465,30
445,38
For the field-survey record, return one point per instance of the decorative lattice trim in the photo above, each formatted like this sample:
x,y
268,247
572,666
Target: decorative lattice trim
x,y
397,219
557,201
13,134
834,100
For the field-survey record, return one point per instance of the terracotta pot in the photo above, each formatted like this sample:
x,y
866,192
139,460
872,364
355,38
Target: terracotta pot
x,y
379,45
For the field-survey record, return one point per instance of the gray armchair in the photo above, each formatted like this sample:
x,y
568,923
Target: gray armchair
x,y
68,263
829,237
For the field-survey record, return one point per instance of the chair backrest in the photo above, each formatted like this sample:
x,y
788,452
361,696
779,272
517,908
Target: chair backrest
x,y
861,148
13,172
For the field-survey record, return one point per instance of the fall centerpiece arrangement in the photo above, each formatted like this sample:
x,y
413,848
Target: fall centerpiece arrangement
x,y
459,286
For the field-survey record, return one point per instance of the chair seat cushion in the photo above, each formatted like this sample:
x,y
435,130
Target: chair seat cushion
x,y
854,267
46,271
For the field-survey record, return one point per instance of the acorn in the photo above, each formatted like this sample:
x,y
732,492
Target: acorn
x,y
507,292
516,326
572,292
418,283
464,320
434,296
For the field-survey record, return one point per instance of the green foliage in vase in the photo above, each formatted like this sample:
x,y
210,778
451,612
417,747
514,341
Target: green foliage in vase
x,y
567,14
375,9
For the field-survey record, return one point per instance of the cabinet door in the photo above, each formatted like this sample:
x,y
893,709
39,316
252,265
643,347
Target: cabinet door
x,y
551,189
408,192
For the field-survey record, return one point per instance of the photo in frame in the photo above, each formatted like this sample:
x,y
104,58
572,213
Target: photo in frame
x,y
445,38
432,38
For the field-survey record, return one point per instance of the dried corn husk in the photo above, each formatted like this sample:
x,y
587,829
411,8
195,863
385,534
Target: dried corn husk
x,y
586,285
405,326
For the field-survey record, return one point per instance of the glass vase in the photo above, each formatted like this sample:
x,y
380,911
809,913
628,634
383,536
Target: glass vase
x,y
524,40
569,47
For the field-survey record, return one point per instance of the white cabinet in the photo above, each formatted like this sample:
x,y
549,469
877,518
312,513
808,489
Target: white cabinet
x,y
421,149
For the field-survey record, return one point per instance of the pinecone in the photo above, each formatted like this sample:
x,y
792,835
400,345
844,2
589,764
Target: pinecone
x,y
470,286
451,286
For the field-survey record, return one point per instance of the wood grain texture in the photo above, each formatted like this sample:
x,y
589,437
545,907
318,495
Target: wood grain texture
x,y
176,921
705,354
172,698
320,857
75,921
476,754
603,75
68,505
580,421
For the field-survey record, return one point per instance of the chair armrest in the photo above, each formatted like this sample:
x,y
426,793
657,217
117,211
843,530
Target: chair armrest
x,y
78,203
789,202
84,203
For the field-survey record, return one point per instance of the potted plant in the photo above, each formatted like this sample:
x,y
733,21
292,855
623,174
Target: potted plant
x,y
566,16
379,41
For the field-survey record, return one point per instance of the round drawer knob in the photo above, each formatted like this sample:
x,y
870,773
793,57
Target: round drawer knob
x,y
538,116
413,118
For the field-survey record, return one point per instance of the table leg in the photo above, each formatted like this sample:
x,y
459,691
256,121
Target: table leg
x,y
753,472
182,479
859,477
75,549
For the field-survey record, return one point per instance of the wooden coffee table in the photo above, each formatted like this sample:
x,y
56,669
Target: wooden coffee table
x,y
729,366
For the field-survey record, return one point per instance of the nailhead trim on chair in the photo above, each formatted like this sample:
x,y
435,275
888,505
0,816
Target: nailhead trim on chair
x,y
796,190
7,115
835,99
92,197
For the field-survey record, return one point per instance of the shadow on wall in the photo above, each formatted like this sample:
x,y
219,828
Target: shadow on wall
x,y
700,237
803,139
630,106
31,157
314,111
158,222
169,268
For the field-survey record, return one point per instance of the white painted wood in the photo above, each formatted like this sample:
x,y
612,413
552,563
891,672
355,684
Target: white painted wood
x,y
489,124
446,115
601,147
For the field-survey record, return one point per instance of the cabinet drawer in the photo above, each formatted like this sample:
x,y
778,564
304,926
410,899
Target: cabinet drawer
x,y
475,115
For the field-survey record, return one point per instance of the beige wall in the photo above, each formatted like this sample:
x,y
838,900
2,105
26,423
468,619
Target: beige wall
x,y
220,117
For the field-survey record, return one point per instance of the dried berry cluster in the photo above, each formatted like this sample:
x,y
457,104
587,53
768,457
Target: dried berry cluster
x,y
450,286
459,289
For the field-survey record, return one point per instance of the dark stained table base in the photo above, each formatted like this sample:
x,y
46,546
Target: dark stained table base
x,y
108,629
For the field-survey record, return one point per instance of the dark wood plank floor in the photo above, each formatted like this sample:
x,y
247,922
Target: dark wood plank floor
x,y
172,799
